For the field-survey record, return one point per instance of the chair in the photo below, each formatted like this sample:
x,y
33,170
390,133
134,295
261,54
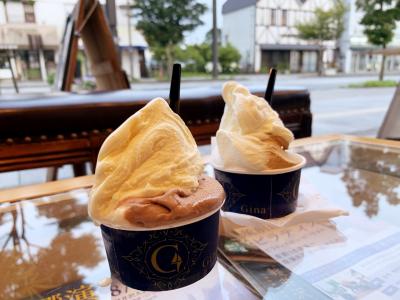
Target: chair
x,y
66,128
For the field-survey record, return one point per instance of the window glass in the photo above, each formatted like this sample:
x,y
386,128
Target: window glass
x,y
284,17
273,16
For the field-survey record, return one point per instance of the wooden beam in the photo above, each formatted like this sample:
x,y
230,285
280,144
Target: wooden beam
x,y
45,189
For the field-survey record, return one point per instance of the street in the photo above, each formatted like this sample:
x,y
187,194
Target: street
x,y
335,107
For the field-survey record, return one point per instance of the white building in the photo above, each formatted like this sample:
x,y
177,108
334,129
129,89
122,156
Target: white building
x,y
355,49
31,43
264,33
33,31
132,44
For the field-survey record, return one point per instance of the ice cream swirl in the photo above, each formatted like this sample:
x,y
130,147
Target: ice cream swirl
x,y
149,155
251,136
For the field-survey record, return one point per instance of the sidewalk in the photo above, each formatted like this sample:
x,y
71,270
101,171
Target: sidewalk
x,y
7,84
23,84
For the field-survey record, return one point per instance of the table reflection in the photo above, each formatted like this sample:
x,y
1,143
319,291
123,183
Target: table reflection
x,y
68,214
362,178
372,177
45,246
50,249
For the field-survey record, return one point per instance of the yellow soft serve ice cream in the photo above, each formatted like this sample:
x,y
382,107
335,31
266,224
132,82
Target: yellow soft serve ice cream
x,y
251,136
149,172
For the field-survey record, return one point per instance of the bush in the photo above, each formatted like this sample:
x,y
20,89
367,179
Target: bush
x,y
34,74
51,77
282,67
229,58
197,58
88,85
192,58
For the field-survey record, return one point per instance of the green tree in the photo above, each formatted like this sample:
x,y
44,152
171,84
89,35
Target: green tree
x,y
327,25
192,57
379,20
205,51
196,57
209,36
164,24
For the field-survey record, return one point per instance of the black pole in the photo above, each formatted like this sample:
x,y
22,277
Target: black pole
x,y
270,86
215,41
175,88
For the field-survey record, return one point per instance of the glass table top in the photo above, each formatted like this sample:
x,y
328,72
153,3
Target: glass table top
x,y
362,178
50,249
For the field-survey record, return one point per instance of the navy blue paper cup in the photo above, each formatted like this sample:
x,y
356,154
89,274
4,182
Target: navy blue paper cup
x,y
264,195
165,258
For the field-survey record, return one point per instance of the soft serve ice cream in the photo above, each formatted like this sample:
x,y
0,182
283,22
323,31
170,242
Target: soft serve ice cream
x,y
149,173
251,136
250,158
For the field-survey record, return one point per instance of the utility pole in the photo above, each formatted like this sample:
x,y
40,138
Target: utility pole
x,y
112,18
111,14
128,15
14,80
215,41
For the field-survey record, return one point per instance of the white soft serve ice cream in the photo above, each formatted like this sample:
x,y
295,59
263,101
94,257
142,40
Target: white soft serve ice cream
x,y
148,173
251,136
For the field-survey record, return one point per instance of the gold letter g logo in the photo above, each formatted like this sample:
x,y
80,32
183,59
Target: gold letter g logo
x,y
176,260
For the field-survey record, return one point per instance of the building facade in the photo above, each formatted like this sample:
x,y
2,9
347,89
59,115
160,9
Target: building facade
x,y
266,35
357,55
31,33
29,44
264,32
132,44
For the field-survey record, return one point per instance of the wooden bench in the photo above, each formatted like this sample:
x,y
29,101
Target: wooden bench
x,y
66,128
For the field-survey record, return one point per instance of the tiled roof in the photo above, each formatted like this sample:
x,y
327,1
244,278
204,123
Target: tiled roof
x,y
233,5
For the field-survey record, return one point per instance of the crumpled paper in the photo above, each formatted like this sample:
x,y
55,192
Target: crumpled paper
x,y
311,207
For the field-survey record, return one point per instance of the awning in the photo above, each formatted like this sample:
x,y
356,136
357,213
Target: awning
x,y
28,36
132,48
288,47
373,50
387,51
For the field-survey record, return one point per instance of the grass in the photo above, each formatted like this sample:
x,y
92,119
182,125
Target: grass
x,y
374,83
195,74
185,74
199,75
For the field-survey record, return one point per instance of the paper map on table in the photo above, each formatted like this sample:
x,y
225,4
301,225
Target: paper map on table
x,y
264,274
218,284
356,260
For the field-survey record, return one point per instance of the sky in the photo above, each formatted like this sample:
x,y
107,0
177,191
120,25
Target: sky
x,y
195,37
198,35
